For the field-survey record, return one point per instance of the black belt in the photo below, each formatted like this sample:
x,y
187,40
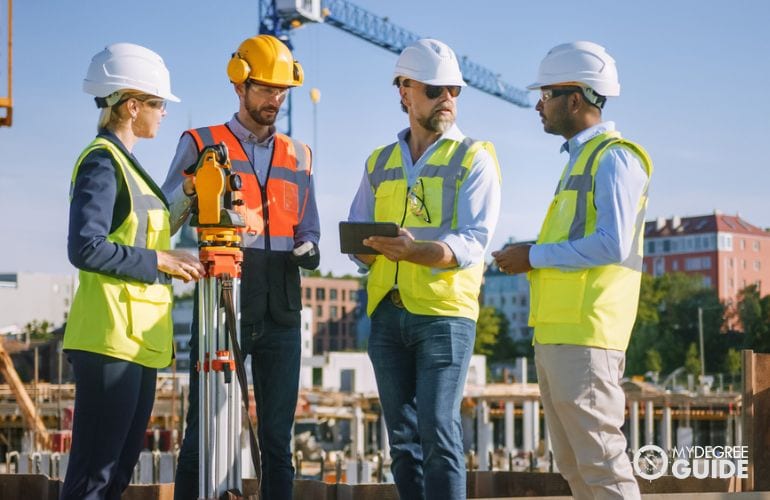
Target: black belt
x,y
395,297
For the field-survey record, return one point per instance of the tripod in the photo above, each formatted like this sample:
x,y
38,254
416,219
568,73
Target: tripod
x,y
219,354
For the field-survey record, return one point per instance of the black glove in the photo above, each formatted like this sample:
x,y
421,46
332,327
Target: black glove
x,y
306,255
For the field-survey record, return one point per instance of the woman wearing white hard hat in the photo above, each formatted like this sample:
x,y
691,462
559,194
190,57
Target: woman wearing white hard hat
x,y
119,330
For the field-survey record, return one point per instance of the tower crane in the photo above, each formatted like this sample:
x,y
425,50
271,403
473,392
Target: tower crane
x,y
280,17
6,101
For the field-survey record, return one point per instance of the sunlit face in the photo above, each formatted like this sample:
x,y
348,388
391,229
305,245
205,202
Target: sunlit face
x,y
263,102
433,107
150,111
553,107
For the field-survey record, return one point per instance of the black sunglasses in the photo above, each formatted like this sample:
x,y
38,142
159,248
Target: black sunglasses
x,y
434,91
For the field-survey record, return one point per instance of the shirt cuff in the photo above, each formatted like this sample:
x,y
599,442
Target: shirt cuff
x,y
537,258
362,267
459,248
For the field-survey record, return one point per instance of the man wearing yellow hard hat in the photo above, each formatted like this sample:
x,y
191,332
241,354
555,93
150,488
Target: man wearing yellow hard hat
x,y
281,235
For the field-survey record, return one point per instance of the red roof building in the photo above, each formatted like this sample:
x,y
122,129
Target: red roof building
x,y
728,252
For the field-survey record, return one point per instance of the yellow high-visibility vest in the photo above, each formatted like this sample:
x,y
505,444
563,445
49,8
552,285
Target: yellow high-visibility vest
x,y
595,306
449,292
126,319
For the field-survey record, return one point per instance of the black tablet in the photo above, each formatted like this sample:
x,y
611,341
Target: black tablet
x,y
352,235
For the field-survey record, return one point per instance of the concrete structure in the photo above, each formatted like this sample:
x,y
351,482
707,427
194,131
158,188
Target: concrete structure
x,y
334,302
728,252
509,294
28,297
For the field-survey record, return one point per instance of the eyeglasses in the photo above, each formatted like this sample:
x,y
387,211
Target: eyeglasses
x,y
548,94
268,92
156,103
416,199
435,91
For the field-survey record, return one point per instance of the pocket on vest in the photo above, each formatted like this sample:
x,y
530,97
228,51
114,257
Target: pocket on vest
x,y
158,230
560,295
149,315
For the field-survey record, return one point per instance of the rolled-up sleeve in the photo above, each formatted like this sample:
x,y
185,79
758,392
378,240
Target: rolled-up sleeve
x,y
179,203
94,194
478,209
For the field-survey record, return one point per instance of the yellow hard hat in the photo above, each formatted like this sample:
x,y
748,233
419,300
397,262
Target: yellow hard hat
x,y
265,59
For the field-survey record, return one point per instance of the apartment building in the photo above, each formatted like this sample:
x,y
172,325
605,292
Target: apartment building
x,y
728,252
334,303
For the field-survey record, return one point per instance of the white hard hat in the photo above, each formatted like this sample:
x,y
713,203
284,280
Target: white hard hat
x,y
431,62
586,63
128,66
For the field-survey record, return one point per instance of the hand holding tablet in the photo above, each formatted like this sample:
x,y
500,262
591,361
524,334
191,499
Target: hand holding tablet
x,y
352,235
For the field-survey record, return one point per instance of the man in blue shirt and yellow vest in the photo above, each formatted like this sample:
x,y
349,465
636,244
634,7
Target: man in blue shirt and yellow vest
x,y
585,272
443,189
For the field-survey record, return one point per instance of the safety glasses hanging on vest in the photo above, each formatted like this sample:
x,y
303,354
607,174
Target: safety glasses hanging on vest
x,y
434,91
416,198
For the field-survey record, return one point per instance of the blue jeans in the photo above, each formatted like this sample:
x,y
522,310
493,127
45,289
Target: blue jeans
x,y
275,361
113,403
420,363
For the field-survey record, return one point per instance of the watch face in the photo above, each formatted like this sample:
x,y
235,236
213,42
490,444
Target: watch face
x,y
650,462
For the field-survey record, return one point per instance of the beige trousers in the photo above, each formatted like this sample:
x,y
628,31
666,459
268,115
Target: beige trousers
x,y
584,409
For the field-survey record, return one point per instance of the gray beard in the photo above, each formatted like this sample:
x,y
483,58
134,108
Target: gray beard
x,y
436,123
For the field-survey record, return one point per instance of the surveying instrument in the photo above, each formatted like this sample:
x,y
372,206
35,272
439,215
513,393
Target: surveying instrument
x,y
219,358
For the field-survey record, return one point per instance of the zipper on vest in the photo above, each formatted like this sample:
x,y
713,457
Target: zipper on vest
x,y
265,213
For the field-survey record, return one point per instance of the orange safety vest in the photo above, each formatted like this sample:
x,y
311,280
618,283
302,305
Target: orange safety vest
x,y
271,211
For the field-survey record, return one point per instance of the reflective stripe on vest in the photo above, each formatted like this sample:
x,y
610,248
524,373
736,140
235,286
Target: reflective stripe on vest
x,y
595,306
126,319
452,292
269,224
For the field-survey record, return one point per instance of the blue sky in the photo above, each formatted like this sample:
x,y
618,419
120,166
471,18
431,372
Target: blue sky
x,y
694,78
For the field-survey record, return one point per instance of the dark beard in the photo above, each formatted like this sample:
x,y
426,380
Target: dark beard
x,y
256,115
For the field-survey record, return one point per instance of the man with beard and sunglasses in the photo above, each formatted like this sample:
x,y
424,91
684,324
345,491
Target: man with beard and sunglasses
x,y
281,235
585,272
443,190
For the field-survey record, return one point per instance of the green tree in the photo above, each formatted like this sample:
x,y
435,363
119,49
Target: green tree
x,y
653,362
692,360
754,313
733,363
487,331
667,322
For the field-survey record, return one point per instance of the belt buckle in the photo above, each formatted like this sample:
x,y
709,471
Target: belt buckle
x,y
395,297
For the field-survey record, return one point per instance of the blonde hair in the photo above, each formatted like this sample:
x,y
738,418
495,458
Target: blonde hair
x,y
111,116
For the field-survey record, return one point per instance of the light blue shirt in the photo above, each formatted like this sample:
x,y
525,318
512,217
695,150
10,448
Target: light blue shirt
x,y
619,184
478,201
259,154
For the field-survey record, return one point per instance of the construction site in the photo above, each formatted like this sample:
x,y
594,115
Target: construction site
x,y
339,438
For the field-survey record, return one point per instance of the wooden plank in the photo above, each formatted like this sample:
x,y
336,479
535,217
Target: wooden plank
x,y
756,415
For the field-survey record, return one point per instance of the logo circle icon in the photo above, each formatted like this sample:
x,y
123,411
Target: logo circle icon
x,y
650,462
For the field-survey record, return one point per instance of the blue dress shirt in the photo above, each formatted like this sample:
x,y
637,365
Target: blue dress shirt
x,y
478,202
619,184
259,153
